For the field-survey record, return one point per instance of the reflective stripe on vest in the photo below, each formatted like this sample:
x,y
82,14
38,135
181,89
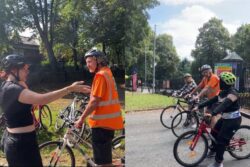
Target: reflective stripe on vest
x,y
110,101
105,116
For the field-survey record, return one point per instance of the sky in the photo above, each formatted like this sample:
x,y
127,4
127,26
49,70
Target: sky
x,y
182,18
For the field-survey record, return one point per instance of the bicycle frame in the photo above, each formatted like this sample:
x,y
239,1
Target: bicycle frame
x,y
203,129
67,136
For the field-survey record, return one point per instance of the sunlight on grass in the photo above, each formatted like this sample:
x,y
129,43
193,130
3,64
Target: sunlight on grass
x,y
139,101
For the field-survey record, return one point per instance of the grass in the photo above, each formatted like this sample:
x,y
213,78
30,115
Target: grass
x,y
139,101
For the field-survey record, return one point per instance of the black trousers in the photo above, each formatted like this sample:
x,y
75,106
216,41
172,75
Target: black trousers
x,y
102,145
22,150
223,132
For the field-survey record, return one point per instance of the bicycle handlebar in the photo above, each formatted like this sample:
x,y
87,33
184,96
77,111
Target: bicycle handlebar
x,y
68,121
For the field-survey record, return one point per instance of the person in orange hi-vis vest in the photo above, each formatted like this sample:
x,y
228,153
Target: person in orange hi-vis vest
x,y
103,109
210,87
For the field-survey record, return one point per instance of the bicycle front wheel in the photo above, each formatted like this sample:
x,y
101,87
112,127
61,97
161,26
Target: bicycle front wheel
x,y
53,154
239,146
184,155
45,116
168,114
183,122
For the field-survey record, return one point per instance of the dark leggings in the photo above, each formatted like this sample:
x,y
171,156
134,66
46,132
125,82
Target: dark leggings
x,y
223,131
22,150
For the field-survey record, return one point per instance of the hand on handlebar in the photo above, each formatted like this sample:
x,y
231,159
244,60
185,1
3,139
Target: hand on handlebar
x,y
78,123
196,98
207,115
195,109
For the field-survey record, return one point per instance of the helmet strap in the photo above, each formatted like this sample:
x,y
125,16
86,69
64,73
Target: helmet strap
x,y
17,78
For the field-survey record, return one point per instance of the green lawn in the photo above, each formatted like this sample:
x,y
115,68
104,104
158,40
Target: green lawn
x,y
139,101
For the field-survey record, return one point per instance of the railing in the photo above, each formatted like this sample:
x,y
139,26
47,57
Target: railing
x,y
245,100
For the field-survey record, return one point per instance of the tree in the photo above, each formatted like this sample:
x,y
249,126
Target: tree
x,y
42,17
137,31
241,42
168,60
211,44
184,66
10,22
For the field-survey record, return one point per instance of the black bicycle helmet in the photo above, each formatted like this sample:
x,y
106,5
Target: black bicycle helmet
x,y
100,56
12,61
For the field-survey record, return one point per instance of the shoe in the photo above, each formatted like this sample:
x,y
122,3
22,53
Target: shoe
x,y
194,126
215,164
211,154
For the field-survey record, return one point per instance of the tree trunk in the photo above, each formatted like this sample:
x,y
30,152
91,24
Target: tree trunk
x,y
75,57
51,55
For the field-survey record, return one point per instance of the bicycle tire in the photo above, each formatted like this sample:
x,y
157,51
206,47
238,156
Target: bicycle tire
x,y
118,147
178,126
188,141
240,135
45,117
59,124
168,118
48,155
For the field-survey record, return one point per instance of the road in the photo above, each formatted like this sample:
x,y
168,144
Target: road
x,y
149,144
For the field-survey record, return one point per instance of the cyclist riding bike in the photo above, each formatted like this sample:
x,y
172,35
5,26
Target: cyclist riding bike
x,y
189,86
19,139
230,120
103,108
209,87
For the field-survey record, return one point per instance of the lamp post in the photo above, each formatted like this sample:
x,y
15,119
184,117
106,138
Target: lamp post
x,y
154,62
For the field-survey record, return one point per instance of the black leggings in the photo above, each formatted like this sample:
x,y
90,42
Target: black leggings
x,y
22,150
223,131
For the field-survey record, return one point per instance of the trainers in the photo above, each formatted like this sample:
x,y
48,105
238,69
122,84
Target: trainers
x,y
194,126
215,164
211,154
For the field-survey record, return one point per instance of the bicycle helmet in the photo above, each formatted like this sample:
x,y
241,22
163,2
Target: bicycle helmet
x,y
228,77
187,75
12,61
100,56
205,67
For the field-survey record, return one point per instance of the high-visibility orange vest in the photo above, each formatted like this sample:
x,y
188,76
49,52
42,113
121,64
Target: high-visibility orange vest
x,y
108,111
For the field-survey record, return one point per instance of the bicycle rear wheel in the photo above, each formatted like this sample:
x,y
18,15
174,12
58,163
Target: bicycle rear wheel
x,y
240,143
118,146
184,155
45,117
183,122
168,114
52,154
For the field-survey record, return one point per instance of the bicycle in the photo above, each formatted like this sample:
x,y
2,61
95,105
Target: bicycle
x,y
187,119
169,112
72,110
195,143
44,119
59,153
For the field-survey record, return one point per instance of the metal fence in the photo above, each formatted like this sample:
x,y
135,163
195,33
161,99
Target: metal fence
x,y
245,100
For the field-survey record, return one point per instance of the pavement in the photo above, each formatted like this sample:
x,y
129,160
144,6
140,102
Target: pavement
x,y
149,144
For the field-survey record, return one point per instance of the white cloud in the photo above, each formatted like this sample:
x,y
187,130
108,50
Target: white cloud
x,y
190,2
232,27
184,28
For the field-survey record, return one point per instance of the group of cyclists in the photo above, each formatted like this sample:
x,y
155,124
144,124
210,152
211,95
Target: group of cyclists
x,y
16,99
222,106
